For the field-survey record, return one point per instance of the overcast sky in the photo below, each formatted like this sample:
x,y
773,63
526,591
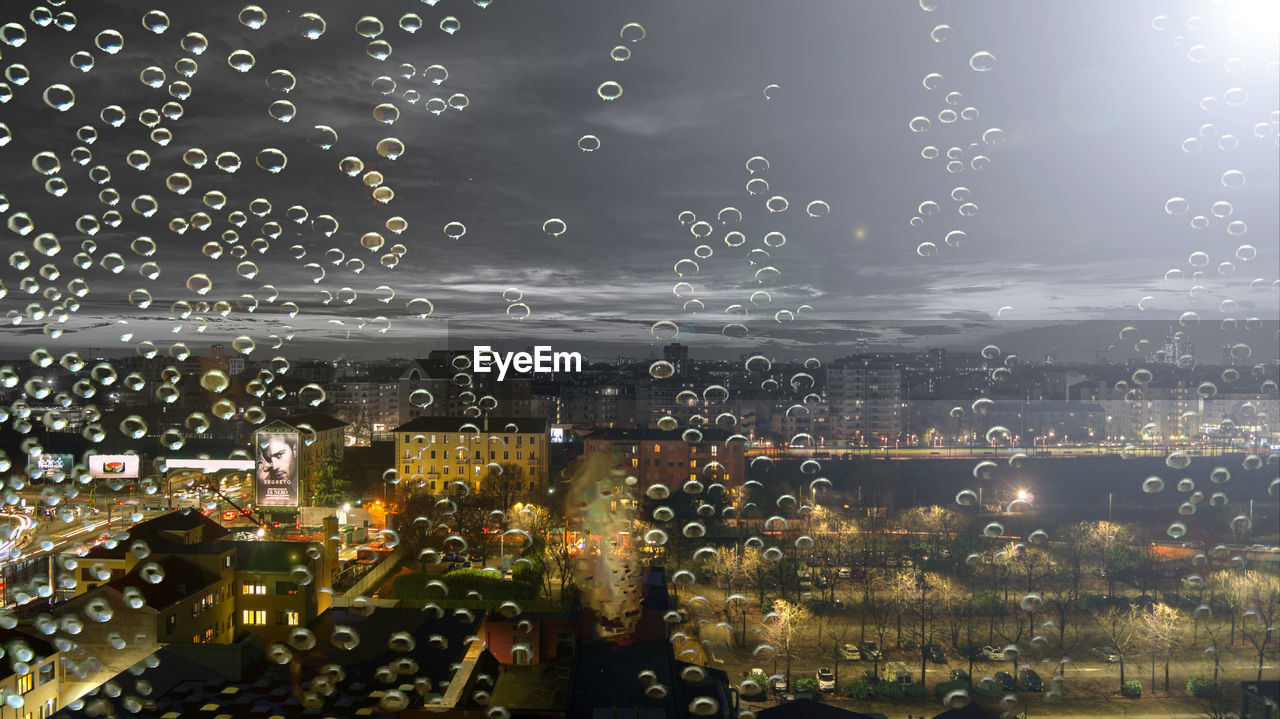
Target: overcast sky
x,y
1093,102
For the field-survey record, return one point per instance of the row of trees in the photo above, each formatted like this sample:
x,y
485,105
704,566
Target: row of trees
x,y
1030,595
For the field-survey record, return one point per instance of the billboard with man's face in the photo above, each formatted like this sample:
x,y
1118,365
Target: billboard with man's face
x,y
277,468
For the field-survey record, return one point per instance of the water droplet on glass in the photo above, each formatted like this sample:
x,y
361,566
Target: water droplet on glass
x,y
982,61
609,90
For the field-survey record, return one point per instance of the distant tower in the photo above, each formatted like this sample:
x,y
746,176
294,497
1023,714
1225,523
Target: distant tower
x,y
678,355
218,356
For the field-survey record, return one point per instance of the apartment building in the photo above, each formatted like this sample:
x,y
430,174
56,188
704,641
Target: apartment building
x,y
38,685
279,586
488,454
672,457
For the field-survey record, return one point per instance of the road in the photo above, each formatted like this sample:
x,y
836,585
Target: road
x,y
1056,452
16,532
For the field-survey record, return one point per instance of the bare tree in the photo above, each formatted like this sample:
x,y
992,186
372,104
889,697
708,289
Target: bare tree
x,y
757,571
1109,542
921,596
1262,610
1233,590
737,566
1161,632
1122,629
781,627
558,555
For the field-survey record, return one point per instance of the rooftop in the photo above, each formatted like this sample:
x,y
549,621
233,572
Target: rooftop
x,y
655,434
179,532
319,421
40,647
271,557
179,580
542,686
810,709
495,425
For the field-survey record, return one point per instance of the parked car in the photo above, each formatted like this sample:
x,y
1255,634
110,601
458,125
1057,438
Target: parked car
x,y
1107,654
959,675
826,680
871,651
779,684
992,654
845,573
936,654
1030,680
1006,681
850,652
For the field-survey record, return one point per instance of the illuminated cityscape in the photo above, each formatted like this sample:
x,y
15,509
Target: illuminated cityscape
x,y
501,360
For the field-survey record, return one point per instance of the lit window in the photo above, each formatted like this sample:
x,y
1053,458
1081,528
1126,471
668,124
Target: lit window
x,y
26,683
250,588
254,616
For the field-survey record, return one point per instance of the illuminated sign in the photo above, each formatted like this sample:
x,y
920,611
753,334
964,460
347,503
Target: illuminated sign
x,y
211,465
277,468
113,466
48,465
557,434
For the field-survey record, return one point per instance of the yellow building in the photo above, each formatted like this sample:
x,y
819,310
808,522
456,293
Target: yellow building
x,y
493,454
279,586
39,685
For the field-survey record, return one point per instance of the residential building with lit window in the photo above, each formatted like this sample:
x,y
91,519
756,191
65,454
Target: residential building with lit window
x,y
39,685
867,400
488,454
162,600
279,586
670,458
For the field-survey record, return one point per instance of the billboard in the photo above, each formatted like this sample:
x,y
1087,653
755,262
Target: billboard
x,y
47,465
113,466
210,466
277,469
